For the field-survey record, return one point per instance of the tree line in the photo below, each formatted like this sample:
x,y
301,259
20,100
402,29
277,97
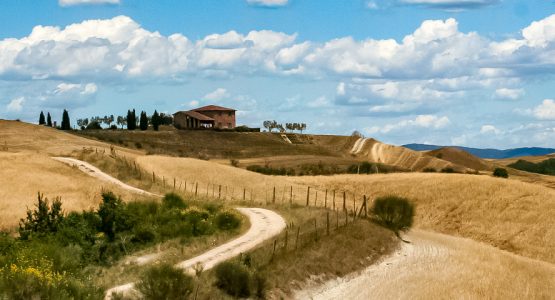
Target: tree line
x,y
272,124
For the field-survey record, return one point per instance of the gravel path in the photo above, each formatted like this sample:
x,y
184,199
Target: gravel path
x,y
265,224
97,173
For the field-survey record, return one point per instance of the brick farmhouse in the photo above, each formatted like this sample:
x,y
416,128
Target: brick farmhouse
x,y
211,116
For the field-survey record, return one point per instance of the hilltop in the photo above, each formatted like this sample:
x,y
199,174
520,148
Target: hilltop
x,y
460,157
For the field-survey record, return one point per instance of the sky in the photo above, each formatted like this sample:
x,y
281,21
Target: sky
x,y
475,73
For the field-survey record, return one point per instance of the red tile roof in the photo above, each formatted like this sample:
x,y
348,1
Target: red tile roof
x,y
213,108
195,115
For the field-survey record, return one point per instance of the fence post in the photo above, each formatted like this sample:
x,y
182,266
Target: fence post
x,y
333,199
196,189
326,199
344,201
220,191
307,196
316,199
328,222
274,196
291,196
174,184
153,177
244,193
297,238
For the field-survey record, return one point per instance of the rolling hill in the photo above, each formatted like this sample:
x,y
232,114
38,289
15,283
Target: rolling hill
x,y
488,153
460,157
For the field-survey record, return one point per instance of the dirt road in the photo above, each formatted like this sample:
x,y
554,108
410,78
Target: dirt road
x,y
97,173
265,224
437,266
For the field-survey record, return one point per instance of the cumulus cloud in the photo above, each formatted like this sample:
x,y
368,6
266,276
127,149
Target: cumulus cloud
x,y
421,121
86,2
216,95
268,3
546,110
16,104
512,94
489,129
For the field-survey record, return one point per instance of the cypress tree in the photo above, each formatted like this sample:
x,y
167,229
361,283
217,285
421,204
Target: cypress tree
x,y
143,121
48,120
131,120
155,120
41,119
65,121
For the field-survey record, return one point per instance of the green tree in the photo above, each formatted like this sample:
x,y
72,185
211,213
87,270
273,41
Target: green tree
x,y
48,120
143,122
41,119
155,120
113,215
501,172
395,213
131,120
44,219
65,121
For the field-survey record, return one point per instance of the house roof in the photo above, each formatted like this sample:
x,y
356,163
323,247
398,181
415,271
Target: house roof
x,y
195,115
213,108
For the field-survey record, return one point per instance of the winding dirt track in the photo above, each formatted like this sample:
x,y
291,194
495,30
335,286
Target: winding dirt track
x,y
438,266
265,224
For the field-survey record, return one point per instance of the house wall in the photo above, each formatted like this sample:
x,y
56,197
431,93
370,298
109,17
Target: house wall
x,y
224,119
180,121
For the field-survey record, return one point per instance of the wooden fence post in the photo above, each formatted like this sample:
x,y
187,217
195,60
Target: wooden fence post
x,y
307,196
153,177
274,196
220,191
333,199
174,184
291,196
297,238
326,199
316,199
328,222
344,201
196,189
244,193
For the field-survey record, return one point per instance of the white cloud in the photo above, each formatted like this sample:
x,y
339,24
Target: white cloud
x,y
512,94
86,2
372,5
451,4
217,95
319,102
545,111
421,121
16,105
268,3
489,129
83,89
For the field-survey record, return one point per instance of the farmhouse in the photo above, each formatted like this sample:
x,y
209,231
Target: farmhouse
x,y
211,116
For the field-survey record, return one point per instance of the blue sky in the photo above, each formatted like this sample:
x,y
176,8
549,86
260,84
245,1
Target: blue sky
x,y
467,72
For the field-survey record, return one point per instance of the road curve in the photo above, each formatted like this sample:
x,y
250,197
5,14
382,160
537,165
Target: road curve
x,y
265,224
97,173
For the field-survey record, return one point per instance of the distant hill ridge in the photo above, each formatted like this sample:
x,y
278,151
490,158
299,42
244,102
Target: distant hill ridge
x,y
489,153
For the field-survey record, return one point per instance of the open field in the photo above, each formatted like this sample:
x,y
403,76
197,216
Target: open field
x,y
462,158
509,214
437,266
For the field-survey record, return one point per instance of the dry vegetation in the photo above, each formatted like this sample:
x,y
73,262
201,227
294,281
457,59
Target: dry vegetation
x,y
508,214
437,266
460,157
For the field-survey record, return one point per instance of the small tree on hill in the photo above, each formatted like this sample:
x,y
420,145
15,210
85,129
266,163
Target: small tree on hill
x,y
48,120
395,213
143,122
501,172
65,121
121,121
44,219
155,120
41,119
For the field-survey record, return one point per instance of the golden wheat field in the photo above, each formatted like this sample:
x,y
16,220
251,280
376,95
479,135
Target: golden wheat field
x,y
509,214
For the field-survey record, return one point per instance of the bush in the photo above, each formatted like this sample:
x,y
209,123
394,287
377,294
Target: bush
x,y
172,200
227,221
500,172
395,213
233,278
165,282
429,170
448,170
93,126
113,215
43,220
234,162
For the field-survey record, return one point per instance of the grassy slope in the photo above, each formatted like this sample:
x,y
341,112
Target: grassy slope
x,y
461,157
508,214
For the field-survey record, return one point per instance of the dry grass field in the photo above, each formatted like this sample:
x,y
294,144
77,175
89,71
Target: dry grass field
x,y
461,158
509,214
437,266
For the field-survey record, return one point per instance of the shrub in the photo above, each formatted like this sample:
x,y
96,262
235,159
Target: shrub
x,y
143,235
429,170
113,215
165,282
500,172
93,126
448,170
172,200
198,218
233,278
227,221
43,220
234,162
395,213
138,145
